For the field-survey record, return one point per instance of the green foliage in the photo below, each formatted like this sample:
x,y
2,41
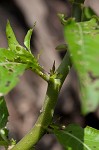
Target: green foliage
x,y
83,43
4,135
22,55
3,113
9,70
12,42
3,121
15,60
27,39
76,138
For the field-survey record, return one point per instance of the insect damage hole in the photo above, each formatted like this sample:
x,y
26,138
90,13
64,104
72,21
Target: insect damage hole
x,y
8,83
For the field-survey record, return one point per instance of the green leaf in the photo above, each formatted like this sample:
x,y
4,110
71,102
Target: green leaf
x,y
87,13
15,60
3,113
26,57
83,44
4,134
91,137
10,70
23,56
12,42
27,39
76,138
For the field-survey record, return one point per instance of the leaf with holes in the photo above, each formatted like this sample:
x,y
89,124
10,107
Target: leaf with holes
x,y
3,113
23,56
12,41
14,61
10,70
83,44
76,138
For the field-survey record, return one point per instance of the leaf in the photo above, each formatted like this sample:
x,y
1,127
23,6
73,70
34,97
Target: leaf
x,y
26,57
10,70
92,138
76,138
27,39
3,113
12,42
87,13
4,134
23,56
83,44
14,61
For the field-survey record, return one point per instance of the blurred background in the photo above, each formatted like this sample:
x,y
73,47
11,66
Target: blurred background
x,y
25,100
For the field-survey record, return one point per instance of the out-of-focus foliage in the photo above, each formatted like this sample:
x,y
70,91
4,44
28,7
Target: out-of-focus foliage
x,y
83,43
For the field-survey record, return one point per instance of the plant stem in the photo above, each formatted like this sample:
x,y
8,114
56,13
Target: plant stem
x,y
77,10
42,75
46,115
43,121
64,68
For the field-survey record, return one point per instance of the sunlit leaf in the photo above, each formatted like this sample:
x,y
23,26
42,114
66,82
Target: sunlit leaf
x,y
4,134
26,57
28,38
10,70
15,60
23,56
12,41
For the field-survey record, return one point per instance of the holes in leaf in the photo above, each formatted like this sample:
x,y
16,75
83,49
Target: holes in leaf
x,y
90,106
93,78
4,66
10,70
9,37
94,147
8,83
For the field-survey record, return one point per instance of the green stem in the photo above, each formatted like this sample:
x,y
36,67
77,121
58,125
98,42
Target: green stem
x,y
64,68
42,75
77,10
43,121
46,115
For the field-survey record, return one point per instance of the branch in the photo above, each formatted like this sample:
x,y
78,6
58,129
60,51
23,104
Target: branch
x,y
64,68
45,118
